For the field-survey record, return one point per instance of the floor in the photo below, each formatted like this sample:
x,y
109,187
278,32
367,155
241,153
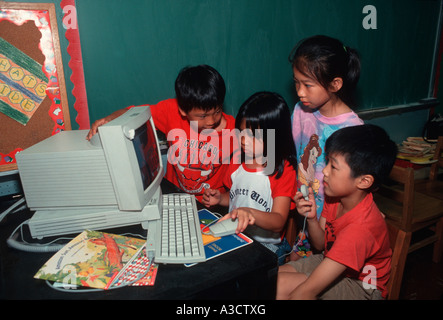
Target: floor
x,y
422,278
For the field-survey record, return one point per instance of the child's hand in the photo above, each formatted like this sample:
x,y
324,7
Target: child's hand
x,y
306,207
105,120
94,127
211,197
244,216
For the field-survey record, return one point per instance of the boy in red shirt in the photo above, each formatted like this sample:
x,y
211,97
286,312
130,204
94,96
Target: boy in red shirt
x,y
352,232
200,136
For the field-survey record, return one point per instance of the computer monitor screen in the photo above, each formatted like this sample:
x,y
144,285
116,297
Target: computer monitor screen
x,y
147,154
112,180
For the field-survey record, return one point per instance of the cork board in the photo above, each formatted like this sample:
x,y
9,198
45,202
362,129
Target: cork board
x,y
33,100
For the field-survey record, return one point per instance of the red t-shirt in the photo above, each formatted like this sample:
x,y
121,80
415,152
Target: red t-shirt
x,y
195,161
359,240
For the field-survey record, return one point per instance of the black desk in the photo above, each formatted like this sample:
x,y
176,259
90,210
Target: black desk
x,y
246,273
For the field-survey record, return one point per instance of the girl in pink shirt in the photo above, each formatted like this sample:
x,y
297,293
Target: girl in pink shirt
x,y
325,73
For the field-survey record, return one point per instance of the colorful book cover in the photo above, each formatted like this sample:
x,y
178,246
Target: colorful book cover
x,y
92,259
216,246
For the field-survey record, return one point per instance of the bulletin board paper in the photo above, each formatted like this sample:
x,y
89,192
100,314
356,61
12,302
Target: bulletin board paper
x,y
33,101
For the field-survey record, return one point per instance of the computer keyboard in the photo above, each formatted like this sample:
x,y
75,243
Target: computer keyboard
x,y
181,237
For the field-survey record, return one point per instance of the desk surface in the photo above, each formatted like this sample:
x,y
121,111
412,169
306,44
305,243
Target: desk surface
x,y
246,273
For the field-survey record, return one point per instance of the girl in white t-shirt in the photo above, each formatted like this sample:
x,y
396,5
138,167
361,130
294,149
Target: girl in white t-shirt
x,y
262,186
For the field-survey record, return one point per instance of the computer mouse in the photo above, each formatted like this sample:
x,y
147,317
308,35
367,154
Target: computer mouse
x,y
305,192
224,228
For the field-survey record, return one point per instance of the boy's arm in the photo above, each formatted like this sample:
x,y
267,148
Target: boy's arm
x,y
322,276
308,209
316,231
102,121
158,112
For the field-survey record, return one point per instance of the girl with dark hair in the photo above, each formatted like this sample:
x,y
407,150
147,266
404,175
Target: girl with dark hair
x,y
262,186
326,73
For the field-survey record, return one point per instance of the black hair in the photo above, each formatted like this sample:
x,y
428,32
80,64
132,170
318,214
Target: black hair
x,y
268,110
367,149
200,87
324,58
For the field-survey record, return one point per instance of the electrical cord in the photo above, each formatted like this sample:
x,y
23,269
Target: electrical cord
x,y
17,206
32,247
37,247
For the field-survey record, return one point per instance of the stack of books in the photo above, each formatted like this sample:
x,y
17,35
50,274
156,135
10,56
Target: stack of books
x,y
417,150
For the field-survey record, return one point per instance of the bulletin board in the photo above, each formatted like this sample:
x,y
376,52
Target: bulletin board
x,y
33,100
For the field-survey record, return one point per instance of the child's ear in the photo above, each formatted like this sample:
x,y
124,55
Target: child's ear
x,y
365,181
182,112
336,84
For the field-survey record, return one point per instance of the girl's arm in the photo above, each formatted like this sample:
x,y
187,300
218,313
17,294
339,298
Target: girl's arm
x,y
212,197
273,221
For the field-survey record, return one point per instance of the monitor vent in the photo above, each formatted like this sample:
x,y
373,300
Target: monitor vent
x,y
48,188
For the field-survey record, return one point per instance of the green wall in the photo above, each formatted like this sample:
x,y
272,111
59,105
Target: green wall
x,y
133,50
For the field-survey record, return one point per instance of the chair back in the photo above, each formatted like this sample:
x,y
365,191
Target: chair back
x,y
437,156
399,240
399,192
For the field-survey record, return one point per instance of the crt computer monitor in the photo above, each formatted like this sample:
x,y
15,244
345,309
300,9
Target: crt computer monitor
x,y
111,181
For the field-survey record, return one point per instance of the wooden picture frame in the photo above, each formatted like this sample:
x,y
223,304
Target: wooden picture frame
x,y
33,99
